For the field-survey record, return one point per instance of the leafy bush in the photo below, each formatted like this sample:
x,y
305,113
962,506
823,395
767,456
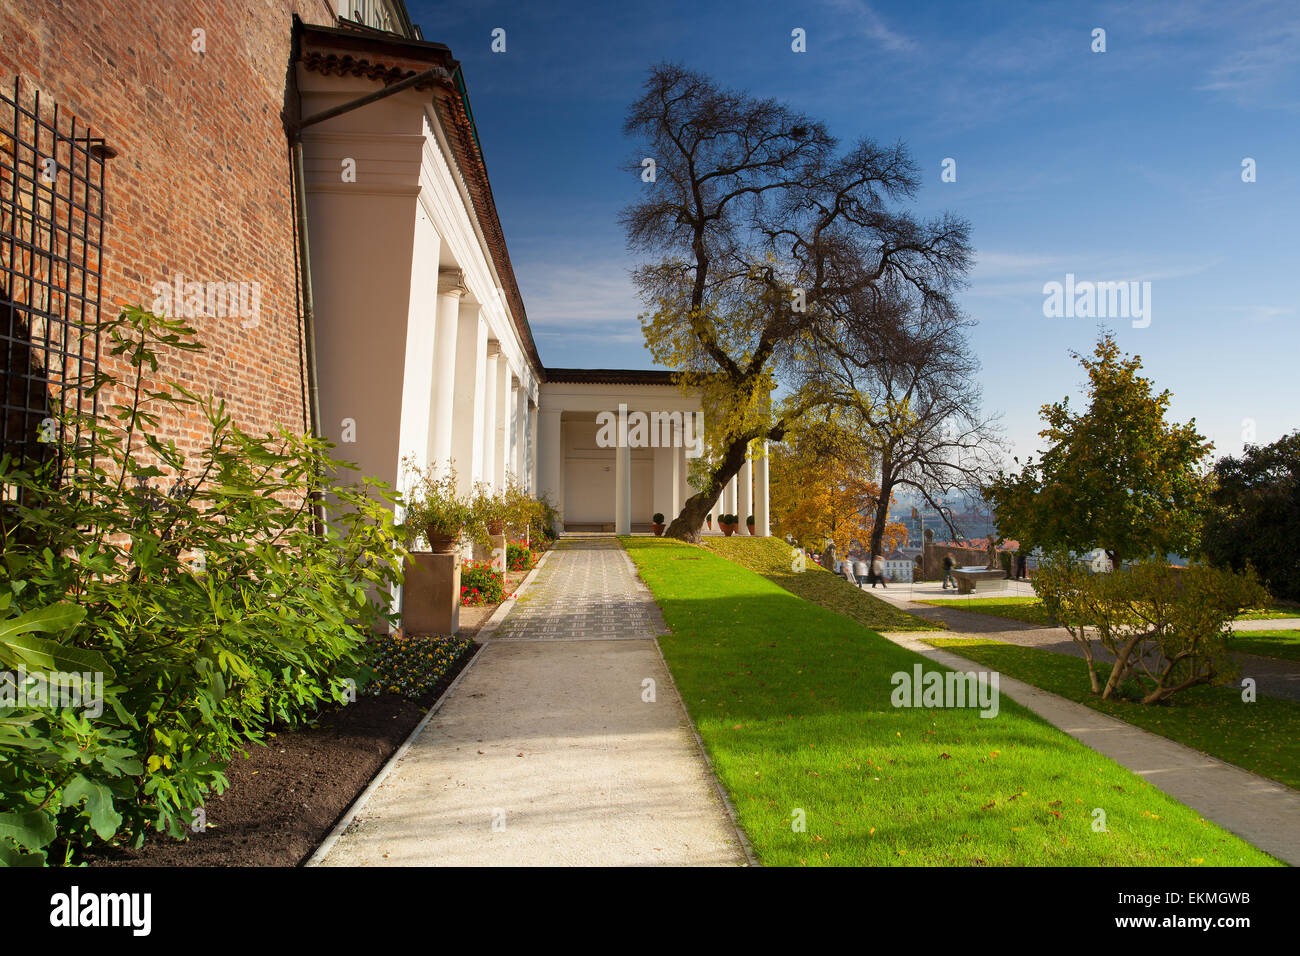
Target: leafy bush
x,y
1166,628
411,666
520,557
658,517
479,584
529,515
210,612
487,508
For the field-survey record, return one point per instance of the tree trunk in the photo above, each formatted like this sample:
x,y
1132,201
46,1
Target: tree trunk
x,y
881,519
686,526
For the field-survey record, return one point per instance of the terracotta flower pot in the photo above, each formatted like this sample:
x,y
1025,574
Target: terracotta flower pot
x,y
657,528
729,529
441,543
750,526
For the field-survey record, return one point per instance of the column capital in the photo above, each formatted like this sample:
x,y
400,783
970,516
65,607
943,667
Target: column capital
x,y
452,282
493,348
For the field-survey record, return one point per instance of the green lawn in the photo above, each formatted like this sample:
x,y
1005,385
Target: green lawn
x,y
1030,609
1027,609
771,558
1277,612
1280,644
792,701
1263,736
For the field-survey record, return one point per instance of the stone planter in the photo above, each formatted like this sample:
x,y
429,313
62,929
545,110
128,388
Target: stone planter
x,y
431,593
441,543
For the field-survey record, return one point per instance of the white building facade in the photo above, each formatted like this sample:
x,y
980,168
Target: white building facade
x,y
423,349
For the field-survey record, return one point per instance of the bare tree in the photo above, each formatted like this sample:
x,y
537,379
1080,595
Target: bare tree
x,y
758,227
915,399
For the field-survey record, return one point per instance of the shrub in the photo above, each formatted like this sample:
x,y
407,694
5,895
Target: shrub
x,y
529,515
1166,628
210,610
479,584
658,517
411,666
519,557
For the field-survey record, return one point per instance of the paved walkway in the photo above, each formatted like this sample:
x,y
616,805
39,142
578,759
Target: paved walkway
x,y
545,753
1273,677
1260,811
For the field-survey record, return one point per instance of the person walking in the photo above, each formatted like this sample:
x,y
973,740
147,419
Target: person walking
x,y
878,572
948,565
1022,560
861,571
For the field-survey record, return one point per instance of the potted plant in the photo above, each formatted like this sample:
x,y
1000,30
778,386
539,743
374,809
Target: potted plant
x,y
749,523
657,523
708,519
729,524
434,509
489,510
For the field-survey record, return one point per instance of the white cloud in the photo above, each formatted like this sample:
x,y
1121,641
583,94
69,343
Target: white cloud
x,y
871,25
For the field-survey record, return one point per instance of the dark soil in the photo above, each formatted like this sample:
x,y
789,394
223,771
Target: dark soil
x,y
285,797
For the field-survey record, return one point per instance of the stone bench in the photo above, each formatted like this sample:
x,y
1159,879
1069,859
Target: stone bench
x,y
968,579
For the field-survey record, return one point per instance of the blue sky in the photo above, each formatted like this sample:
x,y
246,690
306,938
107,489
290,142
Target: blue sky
x,y
1115,166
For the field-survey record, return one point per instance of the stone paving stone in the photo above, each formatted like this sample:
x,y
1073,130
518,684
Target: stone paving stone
x,y
586,591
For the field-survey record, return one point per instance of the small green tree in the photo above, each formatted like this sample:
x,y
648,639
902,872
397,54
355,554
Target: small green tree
x,y
1116,476
1162,629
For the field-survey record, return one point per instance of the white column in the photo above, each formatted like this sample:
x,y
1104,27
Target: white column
x,y
443,400
676,477
550,456
762,518
684,490
501,438
729,498
467,428
661,493
622,489
531,470
746,502
416,423
518,406
490,413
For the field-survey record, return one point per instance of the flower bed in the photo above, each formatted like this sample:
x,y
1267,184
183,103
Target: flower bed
x,y
479,584
520,557
411,666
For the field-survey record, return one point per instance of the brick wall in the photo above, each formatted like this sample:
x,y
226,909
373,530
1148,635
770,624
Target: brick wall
x,y
201,183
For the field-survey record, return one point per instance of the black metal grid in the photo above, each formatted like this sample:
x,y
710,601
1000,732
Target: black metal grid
x,y
51,250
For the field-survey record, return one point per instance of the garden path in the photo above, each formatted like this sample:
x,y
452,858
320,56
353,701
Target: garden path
x,y
547,752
